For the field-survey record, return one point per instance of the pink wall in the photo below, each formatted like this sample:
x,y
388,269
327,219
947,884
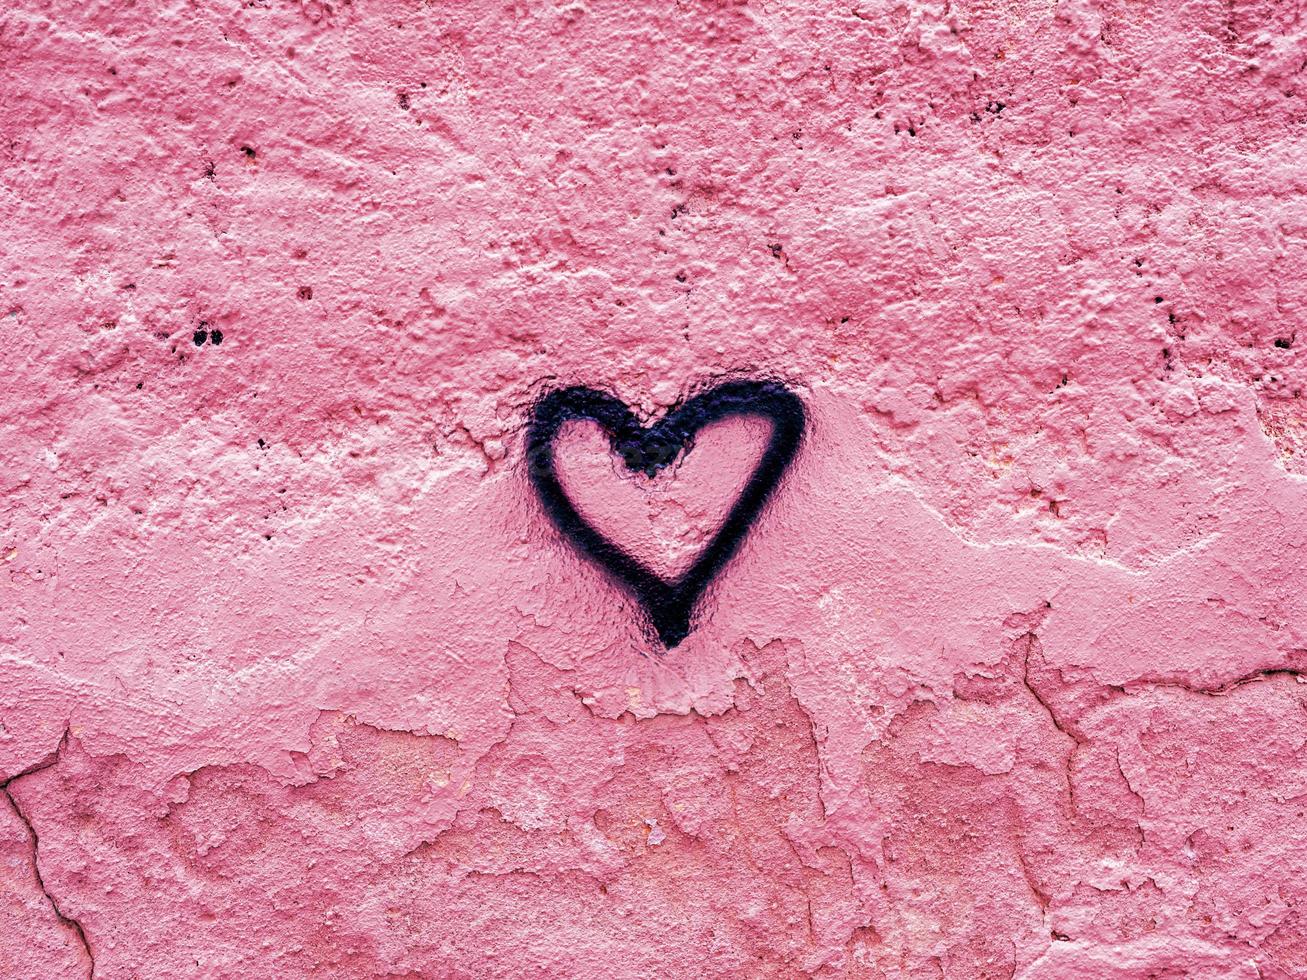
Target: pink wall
x,y
297,680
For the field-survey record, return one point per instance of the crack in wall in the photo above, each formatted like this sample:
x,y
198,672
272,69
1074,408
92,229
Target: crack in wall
x,y
68,922
1031,641
1217,690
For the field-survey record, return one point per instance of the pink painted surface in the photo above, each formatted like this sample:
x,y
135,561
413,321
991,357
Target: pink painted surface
x,y
296,680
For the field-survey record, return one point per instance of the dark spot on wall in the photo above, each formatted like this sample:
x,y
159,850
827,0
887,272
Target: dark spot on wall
x,y
403,101
1157,299
305,292
199,337
1284,343
249,151
215,337
776,250
211,171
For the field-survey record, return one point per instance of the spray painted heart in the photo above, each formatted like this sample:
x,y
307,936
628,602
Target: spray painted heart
x,y
670,604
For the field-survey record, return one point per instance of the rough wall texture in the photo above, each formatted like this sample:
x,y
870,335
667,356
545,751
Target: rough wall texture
x,y
296,680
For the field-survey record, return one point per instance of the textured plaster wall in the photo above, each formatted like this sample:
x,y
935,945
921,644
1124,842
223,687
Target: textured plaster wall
x,y
296,680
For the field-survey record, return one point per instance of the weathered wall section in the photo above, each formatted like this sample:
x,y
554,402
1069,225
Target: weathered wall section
x,y
295,678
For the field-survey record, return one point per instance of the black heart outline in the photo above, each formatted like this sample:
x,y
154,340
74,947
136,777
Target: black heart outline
x,y
670,605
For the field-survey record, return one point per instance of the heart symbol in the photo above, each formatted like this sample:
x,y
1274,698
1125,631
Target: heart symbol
x,y
670,604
